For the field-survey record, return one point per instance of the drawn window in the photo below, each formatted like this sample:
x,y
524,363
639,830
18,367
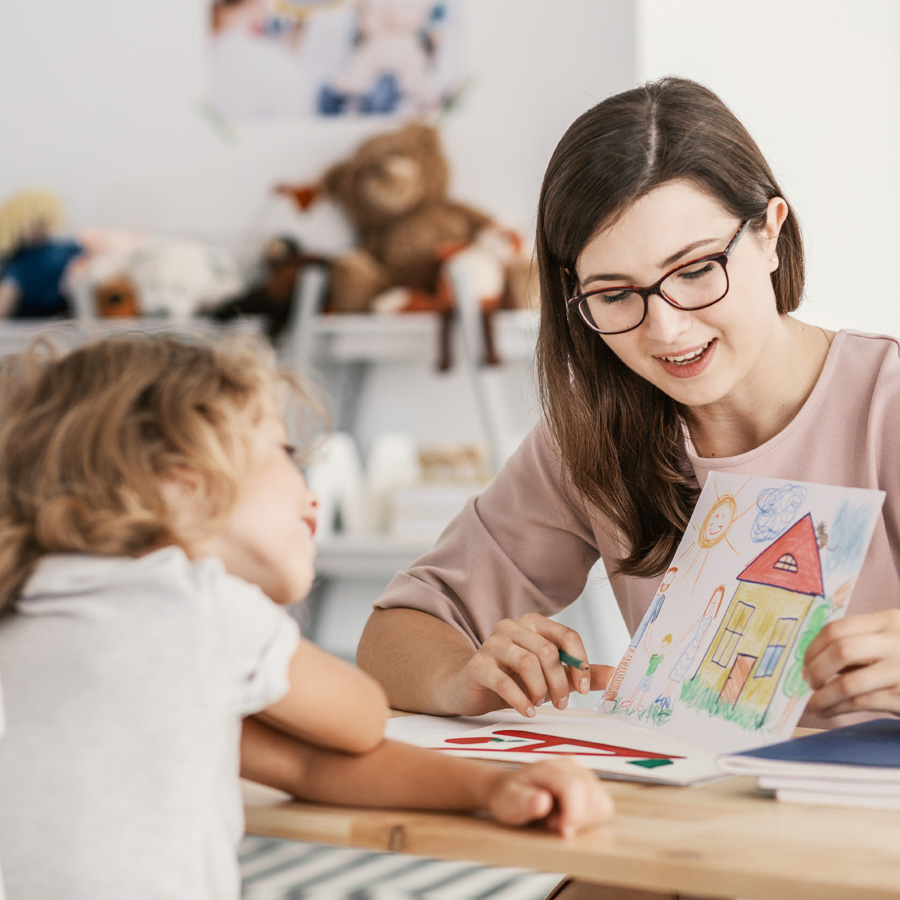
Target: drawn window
x,y
781,634
787,563
733,632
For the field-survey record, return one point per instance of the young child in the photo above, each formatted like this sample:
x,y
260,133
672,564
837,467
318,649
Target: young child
x,y
153,524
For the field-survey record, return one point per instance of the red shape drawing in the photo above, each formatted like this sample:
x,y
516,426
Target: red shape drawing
x,y
543,743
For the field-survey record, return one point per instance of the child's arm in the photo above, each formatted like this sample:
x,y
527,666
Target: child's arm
x,y
330,703
566,796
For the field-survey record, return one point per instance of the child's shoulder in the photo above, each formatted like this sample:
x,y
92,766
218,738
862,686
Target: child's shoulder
x,y
165,578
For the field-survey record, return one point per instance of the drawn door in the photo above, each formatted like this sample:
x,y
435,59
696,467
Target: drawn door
x,y
740,672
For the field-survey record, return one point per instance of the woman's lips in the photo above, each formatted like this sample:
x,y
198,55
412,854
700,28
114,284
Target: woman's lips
x,y
691,362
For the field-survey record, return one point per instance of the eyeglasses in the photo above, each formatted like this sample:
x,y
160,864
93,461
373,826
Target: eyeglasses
x,y
693,285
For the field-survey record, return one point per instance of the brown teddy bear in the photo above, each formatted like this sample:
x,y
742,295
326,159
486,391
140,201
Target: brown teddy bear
x,y
394,190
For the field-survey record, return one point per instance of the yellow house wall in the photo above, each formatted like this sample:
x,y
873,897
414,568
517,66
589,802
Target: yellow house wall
x,y
770,604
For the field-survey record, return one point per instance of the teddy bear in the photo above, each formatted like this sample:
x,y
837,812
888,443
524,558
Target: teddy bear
x,y
394,189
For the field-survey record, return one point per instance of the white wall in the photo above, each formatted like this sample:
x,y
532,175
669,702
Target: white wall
x,y
817,83
102,102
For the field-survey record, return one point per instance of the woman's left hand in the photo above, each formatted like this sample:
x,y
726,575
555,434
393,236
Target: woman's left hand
x,y
853,664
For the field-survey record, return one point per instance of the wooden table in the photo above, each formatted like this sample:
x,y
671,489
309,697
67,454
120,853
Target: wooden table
x,y
724,839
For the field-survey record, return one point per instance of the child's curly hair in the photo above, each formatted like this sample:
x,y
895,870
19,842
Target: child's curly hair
x,y
87,437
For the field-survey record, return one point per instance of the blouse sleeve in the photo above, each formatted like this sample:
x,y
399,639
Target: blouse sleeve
x,y
519,547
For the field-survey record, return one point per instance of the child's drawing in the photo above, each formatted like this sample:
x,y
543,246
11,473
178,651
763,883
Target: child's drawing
x,y
637,698
768,582
714,528
644,630
697,630
738,675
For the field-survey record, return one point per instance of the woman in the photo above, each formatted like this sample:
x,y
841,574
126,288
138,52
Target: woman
x,y
670,266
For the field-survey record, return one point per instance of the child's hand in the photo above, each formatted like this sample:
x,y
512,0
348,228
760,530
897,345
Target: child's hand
x,y
854,664
562,793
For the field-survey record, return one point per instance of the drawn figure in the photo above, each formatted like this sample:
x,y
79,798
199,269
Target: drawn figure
x,y
699,627
715,527
644,684
645,629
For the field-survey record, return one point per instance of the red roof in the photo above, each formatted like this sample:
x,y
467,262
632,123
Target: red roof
x,y
792,562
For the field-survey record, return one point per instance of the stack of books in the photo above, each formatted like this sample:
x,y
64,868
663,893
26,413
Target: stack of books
x,y
857,765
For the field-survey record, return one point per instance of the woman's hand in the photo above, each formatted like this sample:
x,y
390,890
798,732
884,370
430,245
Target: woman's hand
x,y
566,796
853,664
518,666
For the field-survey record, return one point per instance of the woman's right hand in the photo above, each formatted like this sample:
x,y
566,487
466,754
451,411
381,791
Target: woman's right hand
x,y
518,665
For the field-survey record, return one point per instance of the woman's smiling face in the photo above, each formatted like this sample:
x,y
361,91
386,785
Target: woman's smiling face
x,y
703,356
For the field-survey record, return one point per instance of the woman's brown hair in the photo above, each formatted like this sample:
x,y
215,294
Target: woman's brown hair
x,y
87,437
620,438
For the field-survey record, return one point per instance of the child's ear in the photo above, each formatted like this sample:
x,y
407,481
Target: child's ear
x,y
188,503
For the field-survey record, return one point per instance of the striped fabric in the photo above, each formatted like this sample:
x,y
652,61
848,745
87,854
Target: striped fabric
x,y
289,870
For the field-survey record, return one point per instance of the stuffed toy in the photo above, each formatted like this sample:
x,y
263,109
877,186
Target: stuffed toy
x,y
34,259
180,278
272,293
139,275
394,191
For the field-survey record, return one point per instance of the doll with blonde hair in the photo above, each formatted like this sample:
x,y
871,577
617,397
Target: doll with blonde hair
x,y
153,526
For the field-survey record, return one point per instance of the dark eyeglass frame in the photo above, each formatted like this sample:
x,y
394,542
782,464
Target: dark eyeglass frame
x,y
579,300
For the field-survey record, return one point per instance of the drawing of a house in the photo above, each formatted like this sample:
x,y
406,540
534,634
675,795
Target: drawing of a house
x,y
747,656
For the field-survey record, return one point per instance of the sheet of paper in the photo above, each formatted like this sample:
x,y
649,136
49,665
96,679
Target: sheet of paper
x,y
611,748
764,564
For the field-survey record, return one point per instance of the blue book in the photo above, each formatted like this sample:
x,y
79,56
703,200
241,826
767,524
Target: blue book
x,y
873,743
855,765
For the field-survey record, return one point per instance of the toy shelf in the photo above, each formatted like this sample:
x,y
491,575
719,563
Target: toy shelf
x,y
413,336
366,556
17,334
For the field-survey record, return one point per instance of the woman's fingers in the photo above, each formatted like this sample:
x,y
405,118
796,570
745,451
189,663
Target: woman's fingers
x,y
854,664
600,677
529,650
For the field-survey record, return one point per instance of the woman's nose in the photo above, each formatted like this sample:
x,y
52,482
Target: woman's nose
x,y
665,322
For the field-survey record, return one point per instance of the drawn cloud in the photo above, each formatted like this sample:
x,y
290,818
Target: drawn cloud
x,y
778,507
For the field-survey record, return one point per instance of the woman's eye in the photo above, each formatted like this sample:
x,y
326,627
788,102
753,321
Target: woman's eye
x,y
694,272
614,296
291,451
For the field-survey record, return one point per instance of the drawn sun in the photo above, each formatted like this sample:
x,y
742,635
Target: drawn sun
x,y
715,527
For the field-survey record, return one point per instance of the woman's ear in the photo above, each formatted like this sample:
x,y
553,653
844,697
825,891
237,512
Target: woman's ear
x,y
776,213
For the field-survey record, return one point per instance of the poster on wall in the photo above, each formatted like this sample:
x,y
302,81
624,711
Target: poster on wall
x,y
292,58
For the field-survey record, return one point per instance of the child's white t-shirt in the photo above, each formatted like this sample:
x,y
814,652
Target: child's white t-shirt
x,y
125,683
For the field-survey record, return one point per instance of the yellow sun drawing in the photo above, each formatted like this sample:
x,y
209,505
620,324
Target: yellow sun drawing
x,y
715,527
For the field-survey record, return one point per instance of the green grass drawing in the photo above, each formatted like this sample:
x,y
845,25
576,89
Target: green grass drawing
x,y
698,695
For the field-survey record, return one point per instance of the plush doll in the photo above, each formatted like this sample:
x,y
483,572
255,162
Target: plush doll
x,y
34,259
272,294
179,278
131,274
394,190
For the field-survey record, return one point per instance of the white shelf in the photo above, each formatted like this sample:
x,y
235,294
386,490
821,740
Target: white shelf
x,y
366,556
17,334
411,336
